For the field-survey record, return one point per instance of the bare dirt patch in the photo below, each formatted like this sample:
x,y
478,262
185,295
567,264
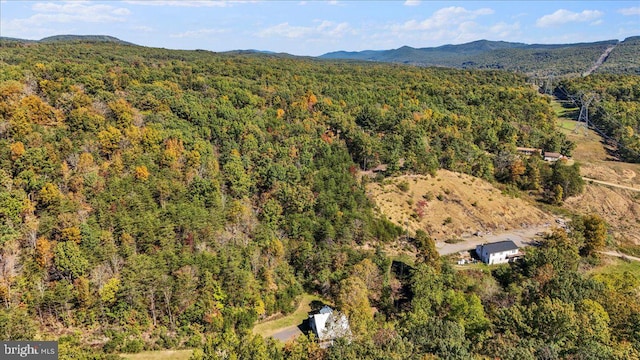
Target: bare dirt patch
x,y
452,205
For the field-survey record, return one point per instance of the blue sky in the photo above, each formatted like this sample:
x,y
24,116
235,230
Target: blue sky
x,y
317,27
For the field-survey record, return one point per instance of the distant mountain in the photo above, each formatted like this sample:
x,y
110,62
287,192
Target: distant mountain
x,y
71,38
531,59
408,54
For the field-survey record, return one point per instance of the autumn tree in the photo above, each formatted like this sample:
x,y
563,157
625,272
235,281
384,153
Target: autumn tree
x,y
353,300
595,234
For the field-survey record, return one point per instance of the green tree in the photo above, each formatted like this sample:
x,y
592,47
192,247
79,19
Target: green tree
x,y
427,249
70,260
595,234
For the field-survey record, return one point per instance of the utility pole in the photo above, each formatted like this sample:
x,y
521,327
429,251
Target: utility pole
x,y
583,118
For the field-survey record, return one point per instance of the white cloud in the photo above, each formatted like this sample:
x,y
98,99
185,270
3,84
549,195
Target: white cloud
x,y
412,3
199,33
63,16
563,16
323,29
444,18
83,11
453,25
630,11
188,3
73,11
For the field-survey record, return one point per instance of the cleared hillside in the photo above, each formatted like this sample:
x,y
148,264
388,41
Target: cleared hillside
x,y
620,208
451,205
624,59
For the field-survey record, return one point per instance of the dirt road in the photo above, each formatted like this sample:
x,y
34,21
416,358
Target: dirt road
x,y
521,237
610,184
620,255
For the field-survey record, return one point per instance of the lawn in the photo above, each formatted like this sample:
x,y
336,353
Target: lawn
x,y
159,355
616,266
271,327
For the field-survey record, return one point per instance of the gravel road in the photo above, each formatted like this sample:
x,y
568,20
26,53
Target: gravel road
x,y
521,237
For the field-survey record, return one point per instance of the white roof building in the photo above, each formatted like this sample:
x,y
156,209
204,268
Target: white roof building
x,y
328,325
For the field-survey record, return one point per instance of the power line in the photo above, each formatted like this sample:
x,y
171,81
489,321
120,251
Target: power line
x,y
584,116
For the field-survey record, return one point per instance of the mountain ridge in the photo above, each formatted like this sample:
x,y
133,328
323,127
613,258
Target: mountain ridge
x,y
71,38
537,60
531,59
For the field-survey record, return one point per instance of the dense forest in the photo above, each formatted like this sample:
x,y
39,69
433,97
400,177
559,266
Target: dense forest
x,y
157,199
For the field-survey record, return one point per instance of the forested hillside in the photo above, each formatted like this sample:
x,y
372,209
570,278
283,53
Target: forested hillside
x,y
157,199
538,60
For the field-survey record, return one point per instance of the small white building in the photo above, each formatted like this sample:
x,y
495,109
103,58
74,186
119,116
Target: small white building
x,y
498,253
328,325
553,156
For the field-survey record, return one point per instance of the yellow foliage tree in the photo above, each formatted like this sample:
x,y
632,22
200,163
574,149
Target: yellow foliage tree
x,y
71,234
109,140
50,195
17,150
353,300
43,251
142,173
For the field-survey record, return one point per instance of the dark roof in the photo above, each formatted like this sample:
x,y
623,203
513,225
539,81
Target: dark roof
x,y
500,246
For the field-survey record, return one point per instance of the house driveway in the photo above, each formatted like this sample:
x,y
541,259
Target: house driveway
x,y
521,237
287,334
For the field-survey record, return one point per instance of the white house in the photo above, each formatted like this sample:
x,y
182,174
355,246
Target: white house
x,y
328,325
497,253
553,156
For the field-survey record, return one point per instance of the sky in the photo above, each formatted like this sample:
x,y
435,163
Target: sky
x,y
316,27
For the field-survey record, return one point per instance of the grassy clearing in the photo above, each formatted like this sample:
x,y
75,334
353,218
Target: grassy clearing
x,y
564,112
159,355
269,328
617,266
404,258
566,125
